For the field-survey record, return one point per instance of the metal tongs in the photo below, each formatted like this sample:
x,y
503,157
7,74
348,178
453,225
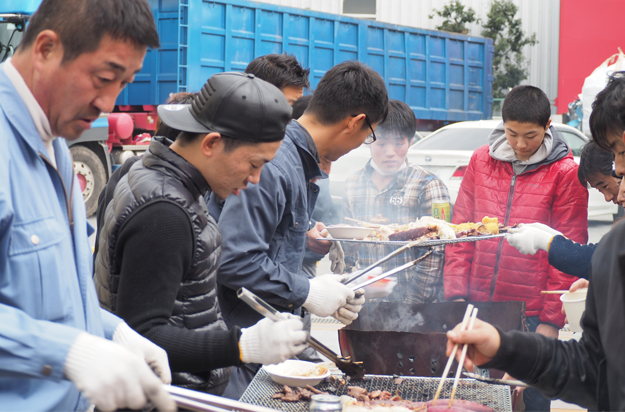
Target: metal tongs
x,y
204,402
345,364
386,258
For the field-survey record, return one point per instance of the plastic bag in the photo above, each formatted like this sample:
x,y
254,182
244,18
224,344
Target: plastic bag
x,y
597,82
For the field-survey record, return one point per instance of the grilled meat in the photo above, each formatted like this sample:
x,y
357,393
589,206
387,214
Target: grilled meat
x,y
295,395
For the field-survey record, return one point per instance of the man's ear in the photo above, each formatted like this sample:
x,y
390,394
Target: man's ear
x,y
355,123
548,124
210,144
46,47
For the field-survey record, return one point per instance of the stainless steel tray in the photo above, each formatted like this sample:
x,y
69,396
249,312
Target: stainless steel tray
x,y
425,243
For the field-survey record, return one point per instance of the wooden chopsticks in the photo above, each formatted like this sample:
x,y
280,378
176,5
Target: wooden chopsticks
x,y
463,355
465,321
553,292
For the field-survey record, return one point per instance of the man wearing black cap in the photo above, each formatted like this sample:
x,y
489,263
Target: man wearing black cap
x,y
265,227
159,247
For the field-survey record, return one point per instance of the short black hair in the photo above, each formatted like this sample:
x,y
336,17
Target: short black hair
x,y
178,98
300,105
230,143
605,118
281,70
594,160
526,104
400,122
349,88
81,24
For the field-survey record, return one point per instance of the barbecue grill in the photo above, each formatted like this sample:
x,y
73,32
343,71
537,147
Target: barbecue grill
x,y
395,338
418,389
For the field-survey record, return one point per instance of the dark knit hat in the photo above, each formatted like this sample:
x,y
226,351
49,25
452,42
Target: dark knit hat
x,y
236,105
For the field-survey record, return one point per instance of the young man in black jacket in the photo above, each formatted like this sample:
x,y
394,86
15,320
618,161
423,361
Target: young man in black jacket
x,y
159,248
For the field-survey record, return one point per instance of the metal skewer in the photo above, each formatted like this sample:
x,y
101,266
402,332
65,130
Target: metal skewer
x,y
450,360
463,355
493,381
352,369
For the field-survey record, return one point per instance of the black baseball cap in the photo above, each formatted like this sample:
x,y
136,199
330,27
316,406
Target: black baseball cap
x,y
236,105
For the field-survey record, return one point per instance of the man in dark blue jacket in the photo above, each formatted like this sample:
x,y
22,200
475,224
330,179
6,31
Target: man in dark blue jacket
x,y
264,227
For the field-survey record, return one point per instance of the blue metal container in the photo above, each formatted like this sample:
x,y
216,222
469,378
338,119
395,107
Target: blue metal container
x,y
440,75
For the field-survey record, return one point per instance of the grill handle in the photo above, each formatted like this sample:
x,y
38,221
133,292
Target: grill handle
x,y
204,402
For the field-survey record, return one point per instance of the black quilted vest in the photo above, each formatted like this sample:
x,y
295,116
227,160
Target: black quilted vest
x,y
164,176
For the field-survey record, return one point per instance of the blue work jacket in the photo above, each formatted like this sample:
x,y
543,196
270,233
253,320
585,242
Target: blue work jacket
x,y
47,296
264,233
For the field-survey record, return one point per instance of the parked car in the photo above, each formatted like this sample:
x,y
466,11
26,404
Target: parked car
x,y
447,152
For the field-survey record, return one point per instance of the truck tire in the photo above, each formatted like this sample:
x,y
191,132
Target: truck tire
x,y
91,176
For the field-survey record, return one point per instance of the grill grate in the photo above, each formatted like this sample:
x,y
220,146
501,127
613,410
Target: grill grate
x,y
425,243
412,388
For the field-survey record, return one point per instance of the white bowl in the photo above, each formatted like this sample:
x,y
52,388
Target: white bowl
x,y
290,373
574,305
348,232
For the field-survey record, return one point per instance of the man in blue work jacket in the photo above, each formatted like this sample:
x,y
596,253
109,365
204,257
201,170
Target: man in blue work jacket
x,y
265,227
58,349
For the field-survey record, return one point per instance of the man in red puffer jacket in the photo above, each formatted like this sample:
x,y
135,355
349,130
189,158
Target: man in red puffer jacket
x,y
525,174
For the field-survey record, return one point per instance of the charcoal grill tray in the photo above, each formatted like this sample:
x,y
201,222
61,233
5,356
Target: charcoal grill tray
x,y
425,243
418,389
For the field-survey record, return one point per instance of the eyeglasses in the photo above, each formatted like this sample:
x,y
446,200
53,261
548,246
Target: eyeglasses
x,y
370,138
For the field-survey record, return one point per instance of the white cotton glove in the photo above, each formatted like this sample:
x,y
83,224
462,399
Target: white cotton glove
x,y
337,258
154,355
327,294
349,312
112,377
530,238
270,342
542,227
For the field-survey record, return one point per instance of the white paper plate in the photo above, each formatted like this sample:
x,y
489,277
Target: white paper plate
x,y
289,373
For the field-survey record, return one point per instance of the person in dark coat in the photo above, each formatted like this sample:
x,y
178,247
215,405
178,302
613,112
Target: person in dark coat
x,y
589,373
265,227
572,258
159,247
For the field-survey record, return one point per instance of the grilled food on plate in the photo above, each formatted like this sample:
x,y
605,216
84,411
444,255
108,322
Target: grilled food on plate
x,y
428,227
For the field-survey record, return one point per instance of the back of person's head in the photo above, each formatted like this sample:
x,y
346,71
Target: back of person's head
x,y
224,100
594,160
400,122
526,104
349,88
81,24
300,106
281,70
605,118
177,98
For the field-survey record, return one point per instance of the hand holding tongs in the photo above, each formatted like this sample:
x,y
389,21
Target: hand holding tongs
x,y
204,402
386,258
352,369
